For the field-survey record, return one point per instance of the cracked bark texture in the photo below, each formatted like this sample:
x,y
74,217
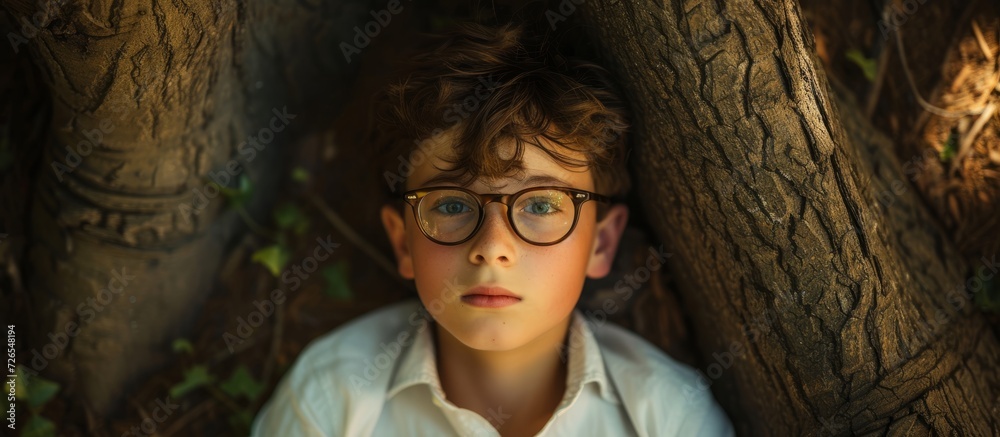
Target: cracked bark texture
x,y
176,86
764,185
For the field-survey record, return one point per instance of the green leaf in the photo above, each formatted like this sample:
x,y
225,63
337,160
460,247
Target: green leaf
x,y
867,65
241,383
300,174
988,298
182,345
289,216
273,257
37,390
194,377
240,195
241,422
950,147
21,378
337,285
39,426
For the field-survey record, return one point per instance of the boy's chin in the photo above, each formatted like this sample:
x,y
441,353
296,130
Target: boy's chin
x,y
489,335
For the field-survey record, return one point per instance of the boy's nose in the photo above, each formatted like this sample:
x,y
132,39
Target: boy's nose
x,y
494,242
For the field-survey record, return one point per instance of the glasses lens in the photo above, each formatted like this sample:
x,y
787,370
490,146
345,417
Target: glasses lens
x,y
543,215
448,215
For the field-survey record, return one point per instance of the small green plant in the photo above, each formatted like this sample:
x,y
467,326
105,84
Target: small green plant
x,y
950,147
989,297
274,257
867,65
337,285
239,392
34,392
300,174
289,218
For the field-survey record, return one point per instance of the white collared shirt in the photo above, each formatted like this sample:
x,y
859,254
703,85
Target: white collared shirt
x,y
377,375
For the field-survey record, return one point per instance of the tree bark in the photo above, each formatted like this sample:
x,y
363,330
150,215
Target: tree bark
x,y
840,313
164,93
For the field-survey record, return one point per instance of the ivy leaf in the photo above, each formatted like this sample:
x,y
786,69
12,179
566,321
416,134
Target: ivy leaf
x,y
182,345
867,65
240,195
39,426
194,377
37,391
289,216
988,298
300,174
241,383
950,147
337,285
241,421
273,257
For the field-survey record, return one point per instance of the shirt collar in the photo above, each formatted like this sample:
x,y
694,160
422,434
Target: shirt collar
x,y
417,363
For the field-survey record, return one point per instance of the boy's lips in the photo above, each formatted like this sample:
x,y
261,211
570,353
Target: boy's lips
x,y
490,297
490,291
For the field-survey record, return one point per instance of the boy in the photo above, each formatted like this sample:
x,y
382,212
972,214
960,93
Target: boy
x,y
494,345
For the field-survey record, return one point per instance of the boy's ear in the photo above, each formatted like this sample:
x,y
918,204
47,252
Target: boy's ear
x,y
395,230
607,235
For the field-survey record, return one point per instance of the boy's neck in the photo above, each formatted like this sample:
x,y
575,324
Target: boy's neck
x,y
529,379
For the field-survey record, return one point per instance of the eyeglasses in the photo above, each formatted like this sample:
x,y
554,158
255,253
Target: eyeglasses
x,y
541,216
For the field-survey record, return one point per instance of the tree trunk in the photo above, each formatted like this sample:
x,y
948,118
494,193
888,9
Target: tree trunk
x,y
151,103
818,308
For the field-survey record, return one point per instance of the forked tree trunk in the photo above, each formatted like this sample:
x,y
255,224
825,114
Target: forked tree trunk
x,y
152,101
819,310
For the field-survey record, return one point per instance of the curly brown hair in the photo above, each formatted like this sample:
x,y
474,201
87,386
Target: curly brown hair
x,y
531,91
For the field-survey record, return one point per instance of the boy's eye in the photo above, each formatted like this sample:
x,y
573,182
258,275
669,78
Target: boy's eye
x,y
451,206
541,206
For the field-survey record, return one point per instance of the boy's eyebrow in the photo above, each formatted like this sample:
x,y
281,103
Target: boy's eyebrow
x,y
529,181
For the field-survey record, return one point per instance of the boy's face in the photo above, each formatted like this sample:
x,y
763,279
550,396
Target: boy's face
x,y
548,279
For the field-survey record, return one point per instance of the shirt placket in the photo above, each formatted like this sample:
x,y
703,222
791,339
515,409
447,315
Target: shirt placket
x,y
466,422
